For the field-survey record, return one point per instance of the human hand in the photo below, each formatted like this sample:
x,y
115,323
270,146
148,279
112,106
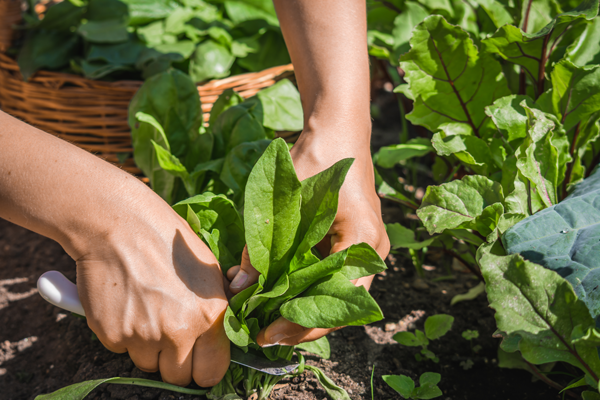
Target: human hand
x,y
152,288
358,220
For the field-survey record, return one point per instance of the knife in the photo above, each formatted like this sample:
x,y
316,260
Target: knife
x,y
55,288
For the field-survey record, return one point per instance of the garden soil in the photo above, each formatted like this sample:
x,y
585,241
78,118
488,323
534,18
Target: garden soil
x,y
43,348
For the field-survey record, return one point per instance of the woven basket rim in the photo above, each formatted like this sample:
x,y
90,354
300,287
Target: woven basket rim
x,y
9,63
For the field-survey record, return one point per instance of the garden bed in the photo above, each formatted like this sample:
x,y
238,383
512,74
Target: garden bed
x,y
43,348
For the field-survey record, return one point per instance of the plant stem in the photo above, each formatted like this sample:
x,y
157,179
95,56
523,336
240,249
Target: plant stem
x,y
394,199
471,268
542,67
391,6
526,19
540,375
570,165
594,162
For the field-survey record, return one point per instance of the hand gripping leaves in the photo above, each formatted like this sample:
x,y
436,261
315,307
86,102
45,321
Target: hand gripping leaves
x,y
284,219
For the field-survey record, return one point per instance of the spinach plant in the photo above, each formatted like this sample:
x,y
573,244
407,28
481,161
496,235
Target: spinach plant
x,y
133,39
405,386
283,220
182,157
436,326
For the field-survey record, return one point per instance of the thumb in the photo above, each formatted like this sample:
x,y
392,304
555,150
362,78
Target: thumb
x,y
246,276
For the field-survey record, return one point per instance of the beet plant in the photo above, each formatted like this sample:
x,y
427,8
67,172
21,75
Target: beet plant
x,y
513,117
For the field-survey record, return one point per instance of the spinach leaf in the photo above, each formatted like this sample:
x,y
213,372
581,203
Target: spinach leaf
x,y
272,211
333,301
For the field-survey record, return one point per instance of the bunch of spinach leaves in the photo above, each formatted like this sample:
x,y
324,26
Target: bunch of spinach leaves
x,y
516,116
182,157
283,220
136,39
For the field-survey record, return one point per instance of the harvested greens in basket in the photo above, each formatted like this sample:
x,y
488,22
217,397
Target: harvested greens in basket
x,y
135,39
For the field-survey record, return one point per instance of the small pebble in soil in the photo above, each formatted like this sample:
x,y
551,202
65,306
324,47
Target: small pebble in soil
x,y
420,284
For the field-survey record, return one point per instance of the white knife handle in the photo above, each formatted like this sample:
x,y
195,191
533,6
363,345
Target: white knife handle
x,y
55,288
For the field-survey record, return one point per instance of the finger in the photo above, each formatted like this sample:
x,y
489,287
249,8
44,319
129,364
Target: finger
x,y
210,358
175,364
308,336
246,276
232,272
145,359
113,348
280,330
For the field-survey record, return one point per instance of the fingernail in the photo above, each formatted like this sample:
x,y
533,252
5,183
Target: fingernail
x,y
239,280
275,339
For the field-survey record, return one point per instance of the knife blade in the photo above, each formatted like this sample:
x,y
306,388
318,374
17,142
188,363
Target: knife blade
x,y
56,289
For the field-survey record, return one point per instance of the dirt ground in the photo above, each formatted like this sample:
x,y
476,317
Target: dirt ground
x,y
43,348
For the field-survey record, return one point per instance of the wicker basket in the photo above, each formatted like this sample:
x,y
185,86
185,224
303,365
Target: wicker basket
x,y
10,14
93,114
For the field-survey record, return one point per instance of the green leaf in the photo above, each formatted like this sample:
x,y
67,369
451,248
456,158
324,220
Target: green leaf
x,y
235,330
172,99
333,391
587,133
238,124
391,155
458,203
240,11
589,395
239,162
104,31
80,390
46,49
404,24
470,334
564,238
281,107
449,79
210,60
320,194
272,211
509,116
142,12
575,92
524,49
62,17
228,98
438,325
120,54
538,157
147,132
401,237
586,49
319,347
362,260
410,339
401,384
470,295
171,164
217,212
539,309
428,388
333,301
270,52
472,151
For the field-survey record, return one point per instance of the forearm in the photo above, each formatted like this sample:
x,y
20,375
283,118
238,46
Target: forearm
x,y
58,190
327,41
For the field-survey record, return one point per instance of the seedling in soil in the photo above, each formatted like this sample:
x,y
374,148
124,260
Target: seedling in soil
x,y
405,386
436,326
470,335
